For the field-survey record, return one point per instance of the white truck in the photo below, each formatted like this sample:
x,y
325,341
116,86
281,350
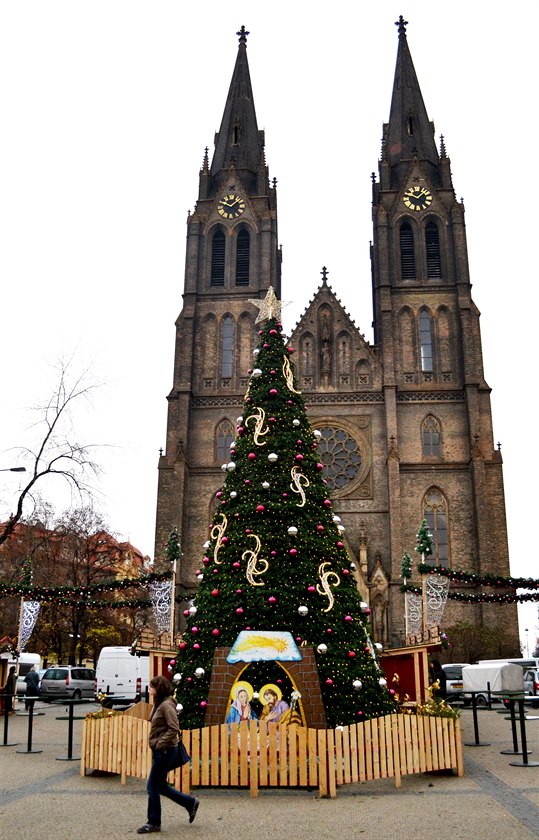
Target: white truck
x,y
23,665
481,678
122,676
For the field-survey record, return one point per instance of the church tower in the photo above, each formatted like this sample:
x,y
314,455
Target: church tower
x,y
232,255
405,422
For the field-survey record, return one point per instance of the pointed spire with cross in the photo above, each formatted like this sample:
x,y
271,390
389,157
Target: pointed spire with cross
x,y
324,274
402,24
242,35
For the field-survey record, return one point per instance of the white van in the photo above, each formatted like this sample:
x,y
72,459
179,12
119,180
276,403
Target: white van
x,y
121,675
23,664
503,676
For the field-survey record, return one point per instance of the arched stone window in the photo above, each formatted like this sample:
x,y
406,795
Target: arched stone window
x,y
425,341
430,436
243,242
407,251
435,512
217,277
227,347
224,435
432,246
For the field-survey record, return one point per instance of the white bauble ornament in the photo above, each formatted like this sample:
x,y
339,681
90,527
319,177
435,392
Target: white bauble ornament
x,y
341,529
382,681
224,467
199,673
357,685
292,531
266,485
231,466
322,648
364,606
336,518
176,678
239,419
169,667
295,422
192,610
179,707
256,373
233,494
206,544
352,565
378,646
200,576
303,610
317,434
256,351
272,457
233,444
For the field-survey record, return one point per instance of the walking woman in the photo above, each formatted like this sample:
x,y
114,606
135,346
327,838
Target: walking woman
x,y
164,737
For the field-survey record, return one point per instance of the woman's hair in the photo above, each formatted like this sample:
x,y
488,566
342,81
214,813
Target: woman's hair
x,y
162,688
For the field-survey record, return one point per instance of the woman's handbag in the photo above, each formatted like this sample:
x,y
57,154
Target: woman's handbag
x,y
182,756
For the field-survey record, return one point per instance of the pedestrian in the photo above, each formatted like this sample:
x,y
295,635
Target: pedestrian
x,y
163,740
10,689
32,687
437,676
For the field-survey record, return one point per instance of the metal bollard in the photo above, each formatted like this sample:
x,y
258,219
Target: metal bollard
x,y
30,726
6,722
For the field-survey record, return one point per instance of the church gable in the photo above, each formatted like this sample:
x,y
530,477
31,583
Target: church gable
x,y
331,352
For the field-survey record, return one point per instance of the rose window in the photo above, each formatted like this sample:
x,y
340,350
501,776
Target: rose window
x,y
340,455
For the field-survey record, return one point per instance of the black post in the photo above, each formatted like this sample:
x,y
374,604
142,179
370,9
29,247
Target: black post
x,y
477,742
6,719
524,762
515,750
69,756
30,726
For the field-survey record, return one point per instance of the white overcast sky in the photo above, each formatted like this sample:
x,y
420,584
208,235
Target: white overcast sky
x,y
105,110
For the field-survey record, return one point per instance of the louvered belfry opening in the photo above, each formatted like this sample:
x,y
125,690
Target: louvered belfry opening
x,y
217,277
407,252
432,243
242,258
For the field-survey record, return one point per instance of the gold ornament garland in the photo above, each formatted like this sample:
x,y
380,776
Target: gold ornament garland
x,y
289,376
217,533
252,559
324,587
259,416
299,479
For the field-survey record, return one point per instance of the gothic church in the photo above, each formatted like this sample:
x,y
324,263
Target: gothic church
x,y
406,421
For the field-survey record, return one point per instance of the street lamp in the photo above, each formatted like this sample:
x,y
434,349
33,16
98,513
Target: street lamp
x,y
13,469
527,645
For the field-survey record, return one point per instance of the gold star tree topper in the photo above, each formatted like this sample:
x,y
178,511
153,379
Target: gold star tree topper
x,y
270,307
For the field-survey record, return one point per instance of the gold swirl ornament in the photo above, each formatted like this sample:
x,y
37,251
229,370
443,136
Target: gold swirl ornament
x,y
251,557
299,481
217,533
327,580
259,417
289,376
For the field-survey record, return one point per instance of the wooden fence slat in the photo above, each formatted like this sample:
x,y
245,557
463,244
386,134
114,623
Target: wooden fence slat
x,y
244,753
283,764
421,743
460,757
322,762
195,757
205,756
338,756
380,725
253,753
302,756
396,748
369,769
354,768
332,787
292,756
389,746
346,754
313,757
272,750
361,752
224,765
414,745
434,743
214,755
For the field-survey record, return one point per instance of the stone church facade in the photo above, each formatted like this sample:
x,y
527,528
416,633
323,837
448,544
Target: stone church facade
x,y
406,421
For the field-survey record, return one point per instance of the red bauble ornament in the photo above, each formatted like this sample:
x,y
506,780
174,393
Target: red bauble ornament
x,y
329,630
273,372
247,530
285,495
238,591
289,402
340,544
319,466
311,588
215,592
246,481
218,494
225,540
273,392
203,704
329,681
196,646
206,560
215,631
239,611
240,430
272,599
351,654
236,565
186,613
194,629
348,618
251,456
345,572
299,443
293,552
327,502
274,554
290,349
182,645
215,571
266,346
260,508
272,420
299,457
319,528
273,332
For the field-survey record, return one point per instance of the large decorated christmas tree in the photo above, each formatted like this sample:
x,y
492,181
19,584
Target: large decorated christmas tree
x,y
275,558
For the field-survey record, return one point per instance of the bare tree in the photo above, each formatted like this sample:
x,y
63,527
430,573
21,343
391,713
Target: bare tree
x,y
56,453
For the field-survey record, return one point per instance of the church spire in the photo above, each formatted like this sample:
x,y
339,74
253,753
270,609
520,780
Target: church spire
x,y
238,141
409,132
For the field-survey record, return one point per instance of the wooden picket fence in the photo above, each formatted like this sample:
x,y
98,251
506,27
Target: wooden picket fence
x,y
283,756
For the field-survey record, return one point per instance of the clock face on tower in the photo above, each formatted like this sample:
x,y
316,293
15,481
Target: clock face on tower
x,y
231,206
417,198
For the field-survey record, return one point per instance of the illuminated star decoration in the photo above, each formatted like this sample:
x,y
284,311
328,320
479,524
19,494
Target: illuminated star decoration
x,y
270,307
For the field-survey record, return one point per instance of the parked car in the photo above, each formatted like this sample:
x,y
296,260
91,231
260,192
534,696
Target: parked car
x,y
67,681
531,685
121,675
453,677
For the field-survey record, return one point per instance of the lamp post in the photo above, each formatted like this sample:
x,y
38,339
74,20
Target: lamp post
x,y
13,469
527,644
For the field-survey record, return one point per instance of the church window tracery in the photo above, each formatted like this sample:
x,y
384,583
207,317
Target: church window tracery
x,y
430,434
224,436
340,455
435,512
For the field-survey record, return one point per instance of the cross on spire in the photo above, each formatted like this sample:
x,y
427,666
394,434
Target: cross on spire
x,y
324,274
242,35
402,24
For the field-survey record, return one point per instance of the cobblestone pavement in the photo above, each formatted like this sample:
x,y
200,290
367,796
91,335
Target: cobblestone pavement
x,y
41,796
